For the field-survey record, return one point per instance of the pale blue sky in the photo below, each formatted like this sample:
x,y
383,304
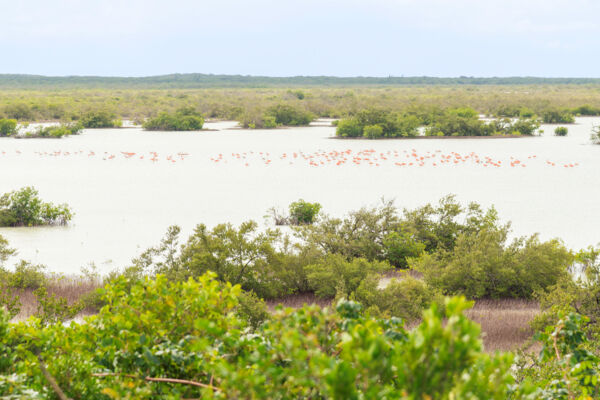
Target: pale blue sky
x,y
302,37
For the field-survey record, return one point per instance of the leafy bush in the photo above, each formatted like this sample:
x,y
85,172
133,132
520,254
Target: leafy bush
x,y
482,265
24,207
99,119
8,127
561,131
399,247
404,298
587,110
184,119
55,131
557,117
373,131
335,275
161,339
26,276
288,115
349,127
303,212
376,123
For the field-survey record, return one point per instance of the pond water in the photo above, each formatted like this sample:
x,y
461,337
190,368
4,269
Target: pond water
x,y
127,186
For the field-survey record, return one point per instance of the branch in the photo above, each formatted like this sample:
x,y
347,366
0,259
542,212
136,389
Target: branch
x,y
61,395
166,380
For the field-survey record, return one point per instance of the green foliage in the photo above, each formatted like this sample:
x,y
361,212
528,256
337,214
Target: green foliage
x,y
287,115
184,119
561,131
586,110
335,275
404,298
24,207
558,117
482,265
52,309
241,256
399,247
99,119
377,123
360,234
303,212
161,339
373,131
8,127
55,131
349,127
26,276
571,370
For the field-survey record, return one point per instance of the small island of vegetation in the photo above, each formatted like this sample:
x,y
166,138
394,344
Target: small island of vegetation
x,y
24,207
378,123
184,119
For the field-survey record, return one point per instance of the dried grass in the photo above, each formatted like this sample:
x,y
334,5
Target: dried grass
x,y
71,289
504,323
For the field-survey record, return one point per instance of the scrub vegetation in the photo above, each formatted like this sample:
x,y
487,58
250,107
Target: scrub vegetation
x,y
24,207
189,319
271,106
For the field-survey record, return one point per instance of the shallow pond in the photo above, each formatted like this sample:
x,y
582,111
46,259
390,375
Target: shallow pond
x,y
127,186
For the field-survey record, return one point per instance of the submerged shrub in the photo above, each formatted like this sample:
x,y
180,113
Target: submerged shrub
x,y
55,131
561,131
24,207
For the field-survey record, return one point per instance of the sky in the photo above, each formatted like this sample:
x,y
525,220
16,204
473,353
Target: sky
x,y
550,38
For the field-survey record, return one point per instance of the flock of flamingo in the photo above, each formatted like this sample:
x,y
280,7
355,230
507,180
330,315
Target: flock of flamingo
x,y
152,156
371,157
321,158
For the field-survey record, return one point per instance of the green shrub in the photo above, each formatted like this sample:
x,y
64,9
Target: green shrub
x,y
8,127
399,247
373,131
55,131
335,275
303,212
288,115
241,256
162,339
27,276
404,298
557,117
482,265
99,119
561,131
349,128
586,110
184,119
24,207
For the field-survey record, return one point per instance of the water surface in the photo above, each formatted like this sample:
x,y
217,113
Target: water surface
x,y
127,186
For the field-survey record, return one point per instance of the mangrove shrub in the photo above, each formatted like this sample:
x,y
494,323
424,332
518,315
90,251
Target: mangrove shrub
x,y
24,207
184,119
8,127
